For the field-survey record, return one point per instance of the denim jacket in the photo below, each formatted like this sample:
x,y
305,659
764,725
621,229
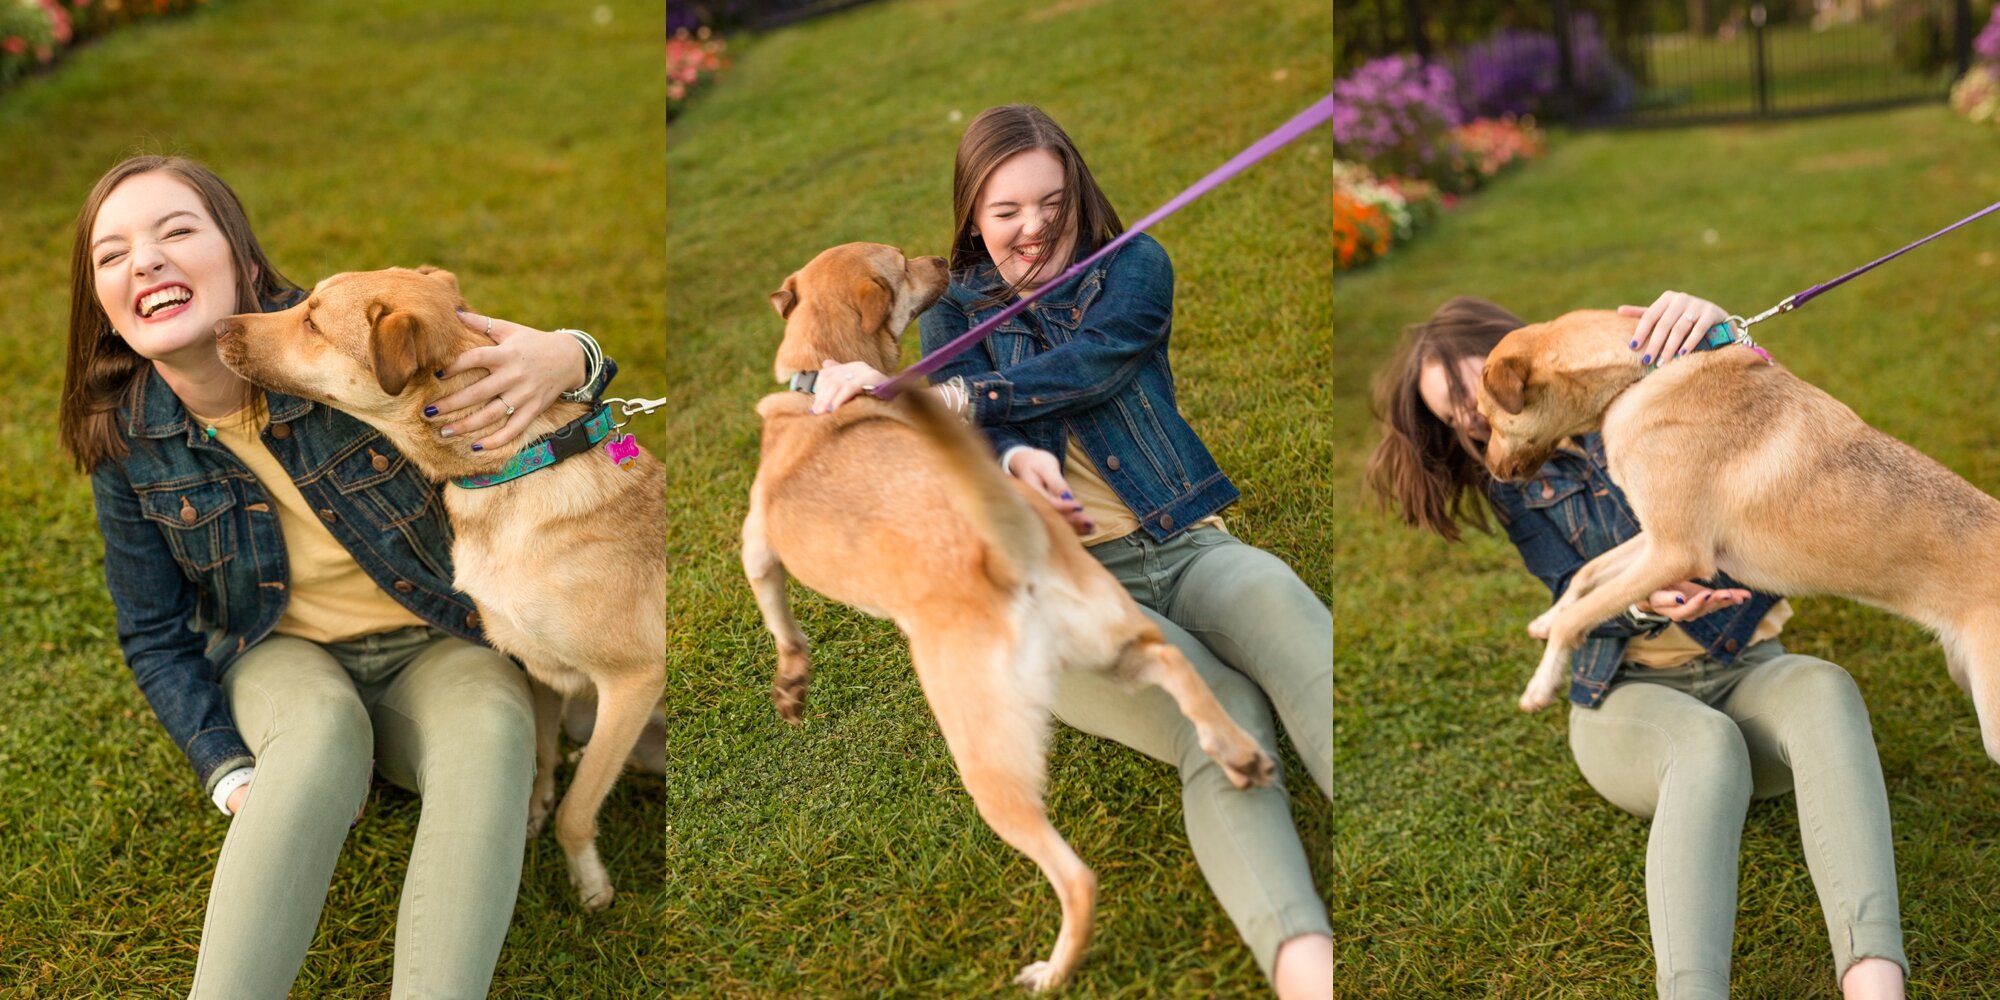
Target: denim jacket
x,y
1089,359
195,562
1571,512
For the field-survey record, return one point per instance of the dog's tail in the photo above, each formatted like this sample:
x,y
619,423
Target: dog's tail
x,y
1019,540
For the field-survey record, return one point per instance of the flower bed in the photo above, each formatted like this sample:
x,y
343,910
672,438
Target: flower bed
x,y
1976,95
1373,213
694,58
34,33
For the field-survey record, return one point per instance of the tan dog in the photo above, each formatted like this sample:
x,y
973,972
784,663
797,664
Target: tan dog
x,y
1735,464
563,563
899,510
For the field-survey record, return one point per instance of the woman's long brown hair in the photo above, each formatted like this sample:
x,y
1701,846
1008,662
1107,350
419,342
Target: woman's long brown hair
x,y
102,370
999,134
1428,470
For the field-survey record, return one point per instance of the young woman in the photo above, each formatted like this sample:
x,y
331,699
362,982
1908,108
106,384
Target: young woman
x,y
1687,706
282,581
1078,400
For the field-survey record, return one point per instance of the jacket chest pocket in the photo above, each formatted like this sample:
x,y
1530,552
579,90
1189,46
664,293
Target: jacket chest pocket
x,y
197,523
380,481
1014,343
1566,501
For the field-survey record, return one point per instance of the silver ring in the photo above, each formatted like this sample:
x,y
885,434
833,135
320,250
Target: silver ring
x,y
489,333
503,402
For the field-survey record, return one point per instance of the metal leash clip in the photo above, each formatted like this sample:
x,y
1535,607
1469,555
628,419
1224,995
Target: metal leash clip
x,y
629,408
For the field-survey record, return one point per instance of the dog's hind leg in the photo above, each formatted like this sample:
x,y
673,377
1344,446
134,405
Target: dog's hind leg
x,y
623,705
997,733
548,734
1972,654
1152,660
1657,564
767,580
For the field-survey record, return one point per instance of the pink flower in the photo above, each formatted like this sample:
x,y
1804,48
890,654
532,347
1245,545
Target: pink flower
x,y
13,45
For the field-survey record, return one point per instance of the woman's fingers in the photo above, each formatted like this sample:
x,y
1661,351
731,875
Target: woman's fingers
x,y
1645,337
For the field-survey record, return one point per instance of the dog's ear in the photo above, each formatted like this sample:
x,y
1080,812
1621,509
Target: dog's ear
x,y
1506,380
872,301
440,274
786,297
400,346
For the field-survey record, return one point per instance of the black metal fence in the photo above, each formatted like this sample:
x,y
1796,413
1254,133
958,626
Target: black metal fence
x,y
757,15
1656,62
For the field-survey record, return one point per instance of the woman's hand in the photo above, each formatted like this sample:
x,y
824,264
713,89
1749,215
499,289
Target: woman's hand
x,y
1041,470
840,381
526,368
235,803
1688,600
1672,325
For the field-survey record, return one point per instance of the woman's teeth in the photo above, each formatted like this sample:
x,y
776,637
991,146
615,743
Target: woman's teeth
x,y
163,299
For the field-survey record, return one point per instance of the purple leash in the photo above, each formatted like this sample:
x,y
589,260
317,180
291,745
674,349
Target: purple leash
x,y
1792,302
1320,113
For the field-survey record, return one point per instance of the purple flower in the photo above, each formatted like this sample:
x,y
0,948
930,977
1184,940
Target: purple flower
x,y
1987,45
1394,114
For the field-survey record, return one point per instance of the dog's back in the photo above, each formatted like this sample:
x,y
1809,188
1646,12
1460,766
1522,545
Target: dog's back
x,y
1766,456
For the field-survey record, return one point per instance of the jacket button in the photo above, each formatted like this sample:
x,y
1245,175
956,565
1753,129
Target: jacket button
x,y
1731,645
281,431
992,394
1167,521
1075,314
1111,463
187,513
327,515
404,586
1548,491
378,463
472,620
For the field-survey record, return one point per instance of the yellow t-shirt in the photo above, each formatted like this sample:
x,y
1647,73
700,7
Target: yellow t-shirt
x,y
1114,520
331,598
1673,646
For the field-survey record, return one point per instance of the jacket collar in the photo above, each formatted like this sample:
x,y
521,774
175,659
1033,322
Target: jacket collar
x,y
157,413
983,282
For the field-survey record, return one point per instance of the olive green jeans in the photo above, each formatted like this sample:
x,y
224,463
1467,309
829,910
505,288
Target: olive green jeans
x,y
1690,746
439,716
1260,638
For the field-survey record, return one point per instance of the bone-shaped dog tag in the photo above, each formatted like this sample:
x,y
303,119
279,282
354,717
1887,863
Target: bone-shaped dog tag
x,y
622,450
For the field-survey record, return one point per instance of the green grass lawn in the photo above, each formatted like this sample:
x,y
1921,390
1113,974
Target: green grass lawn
x,y
844,858
1472,859
519,145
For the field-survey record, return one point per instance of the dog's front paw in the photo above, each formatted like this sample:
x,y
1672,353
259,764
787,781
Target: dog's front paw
x,y
1539,628
1254,769
1038,977
1538,696
593,883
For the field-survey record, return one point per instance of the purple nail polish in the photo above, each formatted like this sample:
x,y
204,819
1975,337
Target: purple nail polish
x,y
1066,495
1635,345
438,374
430,411
1645,359
1678,599
478,447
